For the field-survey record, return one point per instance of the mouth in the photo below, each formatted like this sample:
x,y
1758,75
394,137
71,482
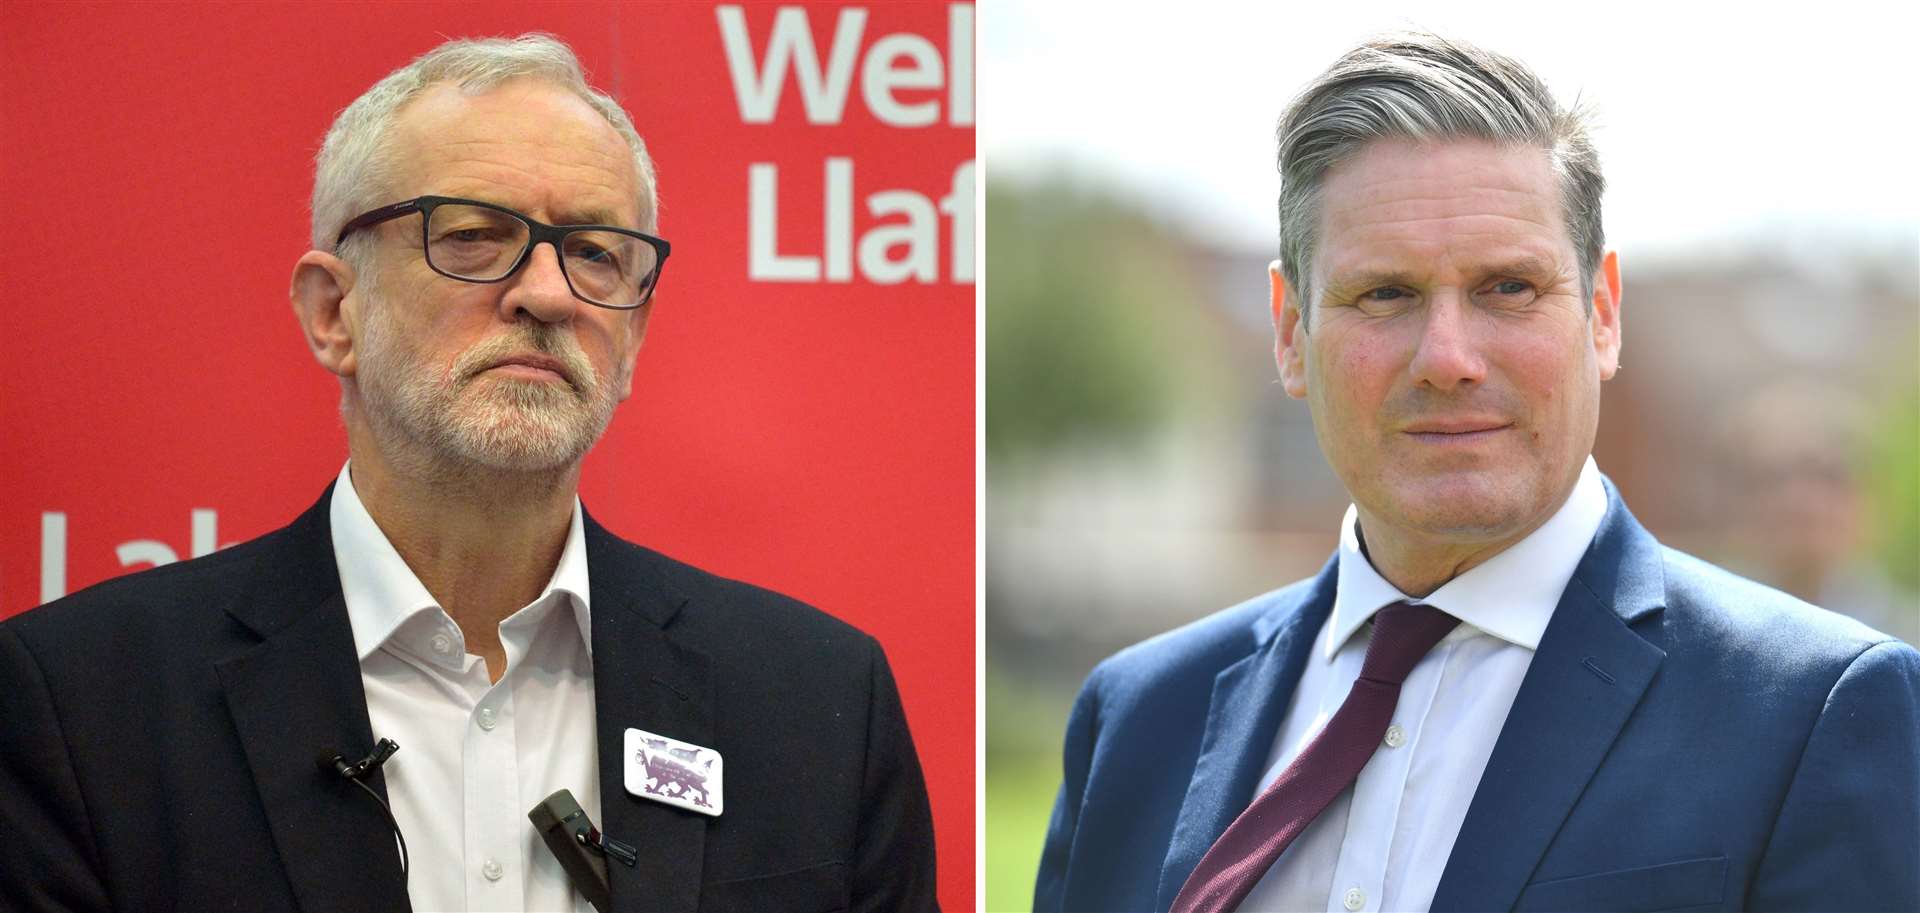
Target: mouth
x,y
1456,432
531,367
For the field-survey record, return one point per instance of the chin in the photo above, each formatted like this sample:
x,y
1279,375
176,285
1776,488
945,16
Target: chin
x,y
519,438
509,459
529,449
1463,506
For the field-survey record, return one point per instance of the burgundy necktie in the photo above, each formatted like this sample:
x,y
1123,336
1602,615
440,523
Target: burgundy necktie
x,y
1402,633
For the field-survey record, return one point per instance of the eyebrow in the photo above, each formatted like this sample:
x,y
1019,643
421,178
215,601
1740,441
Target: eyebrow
x,y
591,215
1529,265
1366,279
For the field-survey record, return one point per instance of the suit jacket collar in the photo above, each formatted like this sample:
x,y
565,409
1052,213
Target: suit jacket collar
x,y
1249,700
1587,676
298,690
644,678
295,695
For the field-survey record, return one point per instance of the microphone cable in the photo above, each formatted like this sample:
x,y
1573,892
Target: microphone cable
x,y
356,772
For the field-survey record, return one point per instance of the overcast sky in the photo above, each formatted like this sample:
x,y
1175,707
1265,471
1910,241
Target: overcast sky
x,y
1719,124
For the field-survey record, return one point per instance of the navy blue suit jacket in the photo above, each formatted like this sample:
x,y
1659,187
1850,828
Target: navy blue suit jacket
x,y
1684,739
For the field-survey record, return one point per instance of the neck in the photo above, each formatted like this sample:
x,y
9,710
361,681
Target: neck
x,y
1417,564
484,542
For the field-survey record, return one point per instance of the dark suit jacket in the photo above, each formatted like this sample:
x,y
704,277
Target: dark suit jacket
x,y
158,735
1684,739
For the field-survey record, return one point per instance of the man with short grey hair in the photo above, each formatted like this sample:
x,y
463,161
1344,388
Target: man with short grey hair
x,y
218,734
1501,692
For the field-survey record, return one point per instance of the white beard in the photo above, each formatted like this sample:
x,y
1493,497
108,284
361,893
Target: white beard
x,y
462,420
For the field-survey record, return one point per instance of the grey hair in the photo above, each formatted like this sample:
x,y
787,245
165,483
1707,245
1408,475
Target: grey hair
x,y
1423,87
356,161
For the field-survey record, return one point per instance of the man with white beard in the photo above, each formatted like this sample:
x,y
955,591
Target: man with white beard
x,y
484,259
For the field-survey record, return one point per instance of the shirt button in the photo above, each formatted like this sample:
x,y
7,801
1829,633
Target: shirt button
x,y
1395,738
492,870
442,644
1355,898
486,719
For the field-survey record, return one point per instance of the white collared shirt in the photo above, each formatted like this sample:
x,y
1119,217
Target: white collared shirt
x,y
474,756
1383,844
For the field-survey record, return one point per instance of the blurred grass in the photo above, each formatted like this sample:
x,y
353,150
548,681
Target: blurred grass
x,y
1893,487
1020,792
1026,721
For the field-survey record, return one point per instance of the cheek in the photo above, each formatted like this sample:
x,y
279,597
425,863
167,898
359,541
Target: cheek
x,y
1557,376
1546,407
607,340
1368,367
1355,376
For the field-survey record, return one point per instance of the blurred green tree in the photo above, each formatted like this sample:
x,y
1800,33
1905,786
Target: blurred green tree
x,y
1075,340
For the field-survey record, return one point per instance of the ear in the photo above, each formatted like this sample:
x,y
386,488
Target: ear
x,y
321,282
1289,337
636,334
1606,315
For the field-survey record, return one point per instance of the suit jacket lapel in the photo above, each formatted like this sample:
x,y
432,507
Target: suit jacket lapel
x,y
1585,680
643,679
1249,700
295,693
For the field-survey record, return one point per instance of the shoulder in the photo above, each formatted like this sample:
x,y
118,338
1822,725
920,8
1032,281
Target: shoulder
x,y
1757,655
1732,644
719,614
151,639
166,601
1189,657
1753,625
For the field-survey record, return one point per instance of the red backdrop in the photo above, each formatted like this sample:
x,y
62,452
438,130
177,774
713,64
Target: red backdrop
x,y
807,425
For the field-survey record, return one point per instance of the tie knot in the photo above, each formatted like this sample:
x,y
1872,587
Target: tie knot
x,y
1402,633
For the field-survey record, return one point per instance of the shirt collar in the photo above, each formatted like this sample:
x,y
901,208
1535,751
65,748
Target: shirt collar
x,y
383,594
1511,595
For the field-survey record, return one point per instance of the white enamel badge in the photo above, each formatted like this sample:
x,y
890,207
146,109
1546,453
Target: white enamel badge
x,y
675,772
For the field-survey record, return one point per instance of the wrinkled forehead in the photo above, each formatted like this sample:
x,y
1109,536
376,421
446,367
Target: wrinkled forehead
x,y
527,144
1401,199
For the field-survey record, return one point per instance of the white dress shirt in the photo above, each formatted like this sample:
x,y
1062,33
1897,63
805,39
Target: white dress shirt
x,y
474,755
1383,844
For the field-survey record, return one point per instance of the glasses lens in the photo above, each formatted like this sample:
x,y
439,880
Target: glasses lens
x,y
474,242
610,268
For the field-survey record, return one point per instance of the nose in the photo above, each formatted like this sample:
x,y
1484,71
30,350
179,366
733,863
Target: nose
x,y
539,289
1448,352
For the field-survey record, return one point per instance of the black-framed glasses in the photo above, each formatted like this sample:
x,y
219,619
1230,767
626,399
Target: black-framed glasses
x,y
474,241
